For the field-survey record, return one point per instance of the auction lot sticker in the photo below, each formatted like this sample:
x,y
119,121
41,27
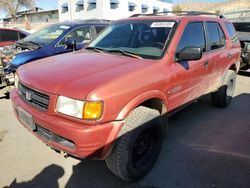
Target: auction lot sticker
x,y
162,24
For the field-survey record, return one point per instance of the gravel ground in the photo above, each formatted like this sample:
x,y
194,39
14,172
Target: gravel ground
x,y
206,147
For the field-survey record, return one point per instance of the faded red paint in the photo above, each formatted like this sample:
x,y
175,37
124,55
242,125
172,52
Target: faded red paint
x,y
122,83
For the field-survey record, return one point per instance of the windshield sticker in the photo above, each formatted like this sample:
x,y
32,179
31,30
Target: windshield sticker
x,y
162,24
64,27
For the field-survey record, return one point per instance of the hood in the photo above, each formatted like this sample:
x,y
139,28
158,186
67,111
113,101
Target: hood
x,y
78,73
25,56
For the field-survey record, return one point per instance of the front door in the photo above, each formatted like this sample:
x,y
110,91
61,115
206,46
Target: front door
x,y
190,77
82,36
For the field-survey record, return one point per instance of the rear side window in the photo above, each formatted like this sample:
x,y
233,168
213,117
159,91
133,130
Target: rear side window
x,y
216,36
193,36
8,35
231,31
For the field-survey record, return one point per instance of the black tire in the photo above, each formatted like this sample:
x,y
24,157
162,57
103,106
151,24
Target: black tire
x,y
224,95
138,146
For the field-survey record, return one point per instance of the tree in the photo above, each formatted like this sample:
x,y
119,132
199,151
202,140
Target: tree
x,y
217,12
12,6
177,8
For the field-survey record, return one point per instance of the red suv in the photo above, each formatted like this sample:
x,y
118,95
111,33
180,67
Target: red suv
x,y
111,100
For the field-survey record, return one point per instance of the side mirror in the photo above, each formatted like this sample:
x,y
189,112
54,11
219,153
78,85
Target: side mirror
x,y
189,53
70,44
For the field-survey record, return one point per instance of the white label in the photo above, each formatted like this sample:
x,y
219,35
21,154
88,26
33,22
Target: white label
x,y
162,24
64,27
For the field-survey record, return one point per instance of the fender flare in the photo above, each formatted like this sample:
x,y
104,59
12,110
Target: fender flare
x,y
152,94
222,80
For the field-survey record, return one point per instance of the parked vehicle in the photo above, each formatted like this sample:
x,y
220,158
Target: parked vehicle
x,y
11,35
111,100
52,40
243,30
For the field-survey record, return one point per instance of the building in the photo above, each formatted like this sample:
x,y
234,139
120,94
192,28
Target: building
x,y
35,15
40,16
70,10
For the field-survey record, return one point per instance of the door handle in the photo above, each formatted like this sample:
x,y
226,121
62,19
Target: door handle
x,y
206,63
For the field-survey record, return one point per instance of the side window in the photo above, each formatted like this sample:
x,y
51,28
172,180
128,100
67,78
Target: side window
x,y
231,31
193,36
216,36
9,35
21,36
80,35
222,36
99,28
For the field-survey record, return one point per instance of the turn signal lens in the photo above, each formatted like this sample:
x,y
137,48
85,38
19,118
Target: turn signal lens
x,y
92,110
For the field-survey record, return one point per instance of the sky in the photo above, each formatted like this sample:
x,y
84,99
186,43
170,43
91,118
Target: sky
x,y
52,4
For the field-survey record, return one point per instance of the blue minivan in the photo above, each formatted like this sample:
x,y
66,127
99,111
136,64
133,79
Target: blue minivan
x,y
52,40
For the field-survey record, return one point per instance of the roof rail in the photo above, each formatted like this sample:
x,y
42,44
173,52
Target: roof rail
x,y
94,20
180,13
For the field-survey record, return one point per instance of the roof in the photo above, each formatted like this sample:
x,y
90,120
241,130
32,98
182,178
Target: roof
x,y
87,22
15,29
173,15
42,11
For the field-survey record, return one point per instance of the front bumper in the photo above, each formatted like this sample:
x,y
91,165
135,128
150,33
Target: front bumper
x,y
74,138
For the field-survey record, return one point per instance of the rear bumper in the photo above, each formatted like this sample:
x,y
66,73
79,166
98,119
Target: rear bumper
x,y
74,138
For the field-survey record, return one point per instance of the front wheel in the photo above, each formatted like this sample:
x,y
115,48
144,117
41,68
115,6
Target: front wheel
x,y
223,96
137,149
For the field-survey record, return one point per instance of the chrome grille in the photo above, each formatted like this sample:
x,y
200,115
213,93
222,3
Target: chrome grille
x,y
36,99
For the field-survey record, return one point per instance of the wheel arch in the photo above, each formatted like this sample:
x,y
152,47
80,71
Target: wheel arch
x,y
154,99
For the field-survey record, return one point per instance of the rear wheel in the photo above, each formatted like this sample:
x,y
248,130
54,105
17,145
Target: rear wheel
x,y
223,96
137,149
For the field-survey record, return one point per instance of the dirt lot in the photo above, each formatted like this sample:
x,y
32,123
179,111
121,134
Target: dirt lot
x,y
206,147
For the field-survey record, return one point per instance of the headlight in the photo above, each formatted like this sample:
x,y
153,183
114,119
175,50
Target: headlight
x,y
69,106
16,77
90,110
8,58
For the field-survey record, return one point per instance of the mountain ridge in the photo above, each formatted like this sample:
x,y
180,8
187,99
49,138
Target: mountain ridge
x,y
222,7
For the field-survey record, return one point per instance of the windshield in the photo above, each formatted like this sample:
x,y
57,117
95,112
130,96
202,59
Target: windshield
x,y
146,39
46,35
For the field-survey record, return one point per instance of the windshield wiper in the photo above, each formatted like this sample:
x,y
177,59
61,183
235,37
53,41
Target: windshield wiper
x,y
100,50
126,53
33,43
29,43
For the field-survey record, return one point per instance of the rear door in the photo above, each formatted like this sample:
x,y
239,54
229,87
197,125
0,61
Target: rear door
x,y
218,52
191,79
233,47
